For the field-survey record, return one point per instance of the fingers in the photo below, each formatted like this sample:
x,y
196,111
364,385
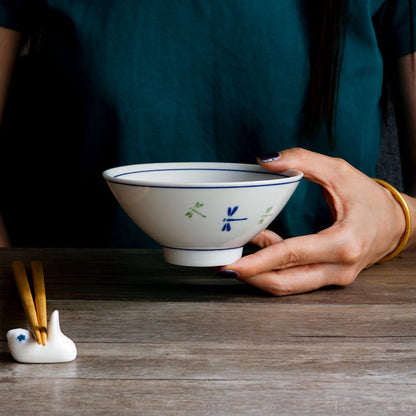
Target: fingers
x,y
266,238
280,254
300,264
300,279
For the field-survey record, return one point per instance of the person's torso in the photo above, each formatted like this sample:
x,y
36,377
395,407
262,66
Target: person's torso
x,y
192,80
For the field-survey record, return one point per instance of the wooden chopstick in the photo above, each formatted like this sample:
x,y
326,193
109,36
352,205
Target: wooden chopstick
x,y
40,298
25,293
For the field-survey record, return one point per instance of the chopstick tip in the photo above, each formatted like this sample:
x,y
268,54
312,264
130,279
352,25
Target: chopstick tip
x,y
36,333
43,336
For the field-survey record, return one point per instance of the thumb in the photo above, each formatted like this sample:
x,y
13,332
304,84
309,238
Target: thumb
x,y
315,166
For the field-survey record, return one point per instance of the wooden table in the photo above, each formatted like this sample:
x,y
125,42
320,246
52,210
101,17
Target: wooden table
x,y
156,339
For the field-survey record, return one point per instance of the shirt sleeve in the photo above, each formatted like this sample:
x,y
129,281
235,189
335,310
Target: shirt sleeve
x,y
20,15
396,27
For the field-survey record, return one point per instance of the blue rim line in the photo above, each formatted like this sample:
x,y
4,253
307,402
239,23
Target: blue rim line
x,y
202,249
209,169
201,186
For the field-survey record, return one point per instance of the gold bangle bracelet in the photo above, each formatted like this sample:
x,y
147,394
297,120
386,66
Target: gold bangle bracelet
x,y
405,238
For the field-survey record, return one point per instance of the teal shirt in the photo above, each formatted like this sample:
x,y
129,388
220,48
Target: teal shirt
x,y
128,82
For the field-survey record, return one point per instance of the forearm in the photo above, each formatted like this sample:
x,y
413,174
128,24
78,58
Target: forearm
x,y
4,237
405,102
9,49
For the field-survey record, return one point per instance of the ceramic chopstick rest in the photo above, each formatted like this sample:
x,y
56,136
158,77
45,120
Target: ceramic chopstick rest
x,y
58,349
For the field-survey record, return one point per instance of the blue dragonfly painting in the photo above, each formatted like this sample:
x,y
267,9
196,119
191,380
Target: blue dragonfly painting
x,y
227,221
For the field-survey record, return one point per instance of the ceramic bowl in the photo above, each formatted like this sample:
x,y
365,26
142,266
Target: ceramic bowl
x,y
202,214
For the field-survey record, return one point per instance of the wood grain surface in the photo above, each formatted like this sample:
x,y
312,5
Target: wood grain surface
x,y
157,339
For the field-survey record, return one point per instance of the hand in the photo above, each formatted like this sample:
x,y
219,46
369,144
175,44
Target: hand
x,y
368,224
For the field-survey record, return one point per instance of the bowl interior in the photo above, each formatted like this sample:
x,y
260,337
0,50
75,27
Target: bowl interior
x,y
204,174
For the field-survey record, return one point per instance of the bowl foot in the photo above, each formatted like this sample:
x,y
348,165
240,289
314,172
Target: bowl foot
x,y
202,258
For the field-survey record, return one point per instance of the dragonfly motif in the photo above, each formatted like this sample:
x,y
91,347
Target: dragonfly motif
x,y
267,214
194,210
230,212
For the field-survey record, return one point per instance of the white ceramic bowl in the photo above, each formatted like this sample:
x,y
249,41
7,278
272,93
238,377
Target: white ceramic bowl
x,y
201,213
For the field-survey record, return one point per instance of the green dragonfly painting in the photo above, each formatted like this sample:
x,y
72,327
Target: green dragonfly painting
x,y
194,210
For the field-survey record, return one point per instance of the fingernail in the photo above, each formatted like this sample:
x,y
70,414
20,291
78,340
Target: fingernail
x,y
270,157
228,273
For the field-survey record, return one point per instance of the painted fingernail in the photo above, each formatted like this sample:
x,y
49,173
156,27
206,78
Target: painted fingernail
x,y
270,157
228,273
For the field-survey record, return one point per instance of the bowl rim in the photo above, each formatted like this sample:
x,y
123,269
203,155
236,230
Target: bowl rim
x,y
119,175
